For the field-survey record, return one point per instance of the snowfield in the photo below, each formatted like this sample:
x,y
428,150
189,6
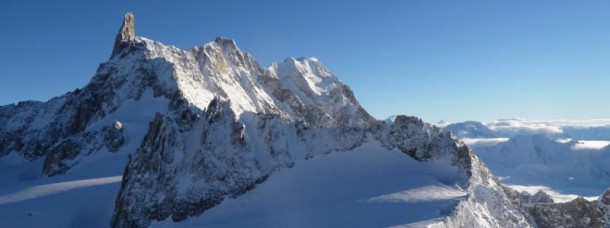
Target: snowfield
x,y
339,189
83,198
85,195
367,187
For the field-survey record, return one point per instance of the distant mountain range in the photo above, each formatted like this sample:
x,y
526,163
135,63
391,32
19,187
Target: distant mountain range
x,y
596,129
569,156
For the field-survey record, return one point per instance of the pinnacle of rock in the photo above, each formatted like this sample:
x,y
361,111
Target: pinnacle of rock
x,y
126,33
605,198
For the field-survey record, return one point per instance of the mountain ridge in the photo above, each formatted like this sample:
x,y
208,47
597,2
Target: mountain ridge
x,y
203,126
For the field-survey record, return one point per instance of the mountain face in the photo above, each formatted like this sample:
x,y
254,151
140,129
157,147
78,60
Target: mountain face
x,y
77,124
207,127
231,124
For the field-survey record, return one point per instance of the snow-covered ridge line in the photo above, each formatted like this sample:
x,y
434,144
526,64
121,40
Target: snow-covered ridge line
x,y
204,127
206,157
77,124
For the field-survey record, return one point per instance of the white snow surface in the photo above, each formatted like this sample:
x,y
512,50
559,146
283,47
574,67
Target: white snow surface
x,y
423,194
81,198
49,189
565,158
367,187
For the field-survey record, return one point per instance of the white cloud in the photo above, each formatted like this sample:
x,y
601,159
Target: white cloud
x,y
515,126
483,141
590,144
519,126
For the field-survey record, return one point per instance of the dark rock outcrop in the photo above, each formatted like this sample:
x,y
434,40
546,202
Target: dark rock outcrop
x,y
424,142
114,137
541,211
605,198
524,199
576,213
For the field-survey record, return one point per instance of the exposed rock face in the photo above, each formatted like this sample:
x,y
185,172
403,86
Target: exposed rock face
x,y
486,205
225,164
576,213
605,198
67,128
524,199
540,210
62,155
421,141
113,137
604,204
229,158
540,197
44,129
126,33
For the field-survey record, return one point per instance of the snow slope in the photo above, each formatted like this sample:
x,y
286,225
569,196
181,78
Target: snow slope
x,y
85,195
367,187
83,198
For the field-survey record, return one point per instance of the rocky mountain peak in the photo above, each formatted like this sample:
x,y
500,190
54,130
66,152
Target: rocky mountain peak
x,y
203,125
226,42
126,33
605,198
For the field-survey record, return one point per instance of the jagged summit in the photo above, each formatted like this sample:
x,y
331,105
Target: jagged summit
x,y
126,33
68,128
208,124
605,197
225,42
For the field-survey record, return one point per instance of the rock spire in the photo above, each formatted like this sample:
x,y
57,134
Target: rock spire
x,y
126,33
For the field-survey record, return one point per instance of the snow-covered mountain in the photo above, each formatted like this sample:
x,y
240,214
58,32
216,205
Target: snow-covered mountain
x,y
566,156
594,129
211,138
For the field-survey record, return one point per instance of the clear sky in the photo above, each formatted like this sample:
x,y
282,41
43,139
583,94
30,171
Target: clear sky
x,y
451,60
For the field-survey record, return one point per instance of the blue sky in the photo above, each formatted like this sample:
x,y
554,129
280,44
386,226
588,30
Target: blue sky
x,y
451,60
